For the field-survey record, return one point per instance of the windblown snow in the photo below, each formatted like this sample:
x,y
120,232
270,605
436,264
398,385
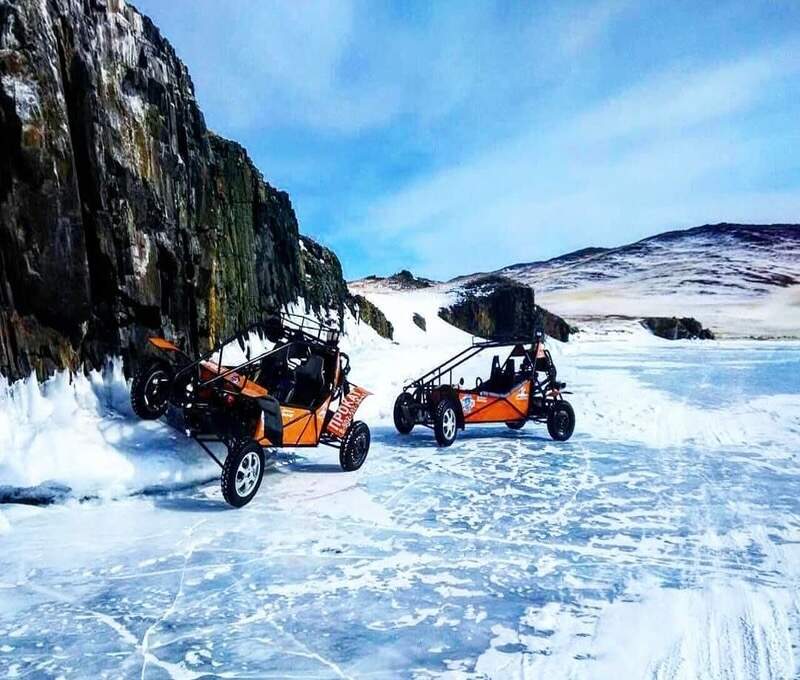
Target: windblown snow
x,y
660,542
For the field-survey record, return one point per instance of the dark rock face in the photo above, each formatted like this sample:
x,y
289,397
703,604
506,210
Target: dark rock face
x,y
674,328
371,315
324,286
554,326
420,322
325,289
495,307
121,215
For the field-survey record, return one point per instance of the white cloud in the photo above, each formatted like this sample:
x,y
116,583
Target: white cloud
x,y
332,67
680,98
657,155
586,24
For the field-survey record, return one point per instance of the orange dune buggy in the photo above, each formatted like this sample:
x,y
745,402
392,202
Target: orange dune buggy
x,y
294,393
512,395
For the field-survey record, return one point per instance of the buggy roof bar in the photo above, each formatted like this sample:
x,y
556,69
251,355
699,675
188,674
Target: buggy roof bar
x,y
507,340
477,346
294,329
313,328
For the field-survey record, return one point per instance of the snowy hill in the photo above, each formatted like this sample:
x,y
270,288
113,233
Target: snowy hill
x,y
739,280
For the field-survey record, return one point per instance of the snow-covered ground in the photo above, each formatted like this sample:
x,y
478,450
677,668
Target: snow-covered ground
x,y
661,541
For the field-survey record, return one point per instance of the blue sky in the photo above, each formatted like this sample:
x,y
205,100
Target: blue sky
x,y
452,137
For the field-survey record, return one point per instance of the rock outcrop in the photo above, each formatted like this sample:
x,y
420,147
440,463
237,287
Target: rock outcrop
x,y
402,280
419,321
325,289
674,328
366,312
494,307
323,283
121,215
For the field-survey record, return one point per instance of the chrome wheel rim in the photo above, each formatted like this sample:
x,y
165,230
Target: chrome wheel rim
x,y
247,474
153,397
449,423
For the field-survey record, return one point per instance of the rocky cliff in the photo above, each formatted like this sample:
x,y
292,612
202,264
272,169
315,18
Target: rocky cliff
x,y
325,288
121,215
495,307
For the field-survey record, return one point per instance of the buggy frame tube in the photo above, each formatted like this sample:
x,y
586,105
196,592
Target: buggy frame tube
x,y
208,450
422,387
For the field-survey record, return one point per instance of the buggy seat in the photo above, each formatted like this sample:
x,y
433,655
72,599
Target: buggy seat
x,y
501,380
309,379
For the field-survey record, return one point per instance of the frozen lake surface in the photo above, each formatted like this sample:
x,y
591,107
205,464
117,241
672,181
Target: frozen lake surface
x,y
662,541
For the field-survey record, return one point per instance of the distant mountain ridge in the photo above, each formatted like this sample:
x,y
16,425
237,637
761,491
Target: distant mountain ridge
x,y
741,250
742,280
739,280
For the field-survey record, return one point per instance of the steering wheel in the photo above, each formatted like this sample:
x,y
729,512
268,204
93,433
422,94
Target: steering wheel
x,y
478,382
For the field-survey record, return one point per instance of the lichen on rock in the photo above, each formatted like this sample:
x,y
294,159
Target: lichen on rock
x,y
121,214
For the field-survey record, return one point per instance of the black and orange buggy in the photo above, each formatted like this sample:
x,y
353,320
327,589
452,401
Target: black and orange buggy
x,y
514,393
292,392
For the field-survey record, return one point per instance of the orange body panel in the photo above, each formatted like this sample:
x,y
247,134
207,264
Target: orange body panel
x,y
301,426
485,407
161,343
298,426
240,383
258,435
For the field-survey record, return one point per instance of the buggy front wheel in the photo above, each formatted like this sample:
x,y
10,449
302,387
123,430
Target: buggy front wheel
x,y
150,390
445,423
242,473
355,446
402,412
561,421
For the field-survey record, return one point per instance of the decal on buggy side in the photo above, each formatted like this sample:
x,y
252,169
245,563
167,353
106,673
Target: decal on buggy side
x,y
347,409
467,403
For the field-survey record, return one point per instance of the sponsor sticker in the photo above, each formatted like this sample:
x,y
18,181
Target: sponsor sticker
x,y
347,409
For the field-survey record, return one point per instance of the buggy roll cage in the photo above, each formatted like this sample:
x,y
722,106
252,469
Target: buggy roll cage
x,y
302,330
435,377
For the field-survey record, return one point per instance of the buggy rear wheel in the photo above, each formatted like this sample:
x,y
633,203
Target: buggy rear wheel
x,y
242,473
515,424
402,406
561,421
150,390
355,446
445,423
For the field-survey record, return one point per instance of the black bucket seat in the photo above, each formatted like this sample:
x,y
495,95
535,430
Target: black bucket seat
x,y
309,379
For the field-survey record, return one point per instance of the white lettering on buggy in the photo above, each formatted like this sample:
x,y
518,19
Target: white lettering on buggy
x,y
347,409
